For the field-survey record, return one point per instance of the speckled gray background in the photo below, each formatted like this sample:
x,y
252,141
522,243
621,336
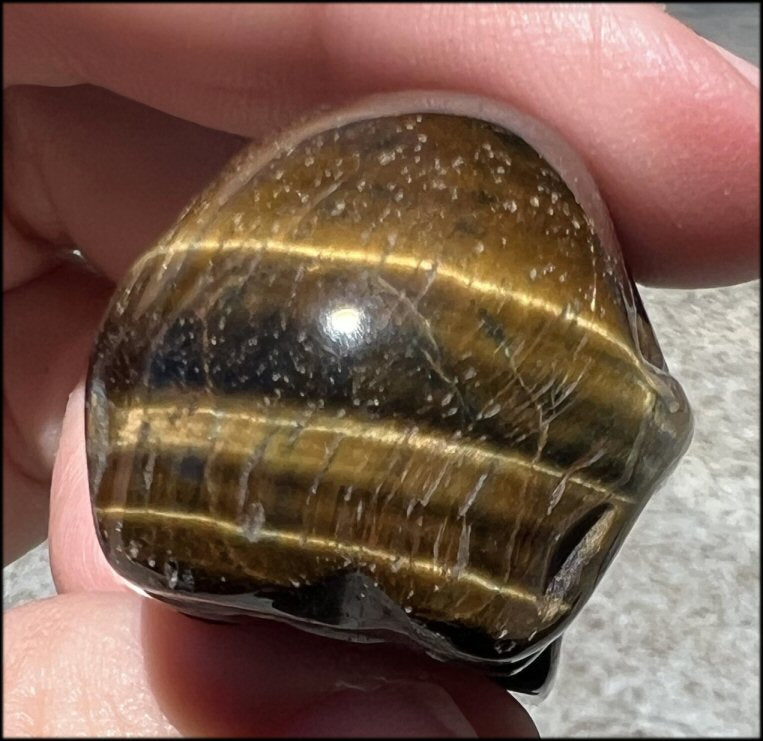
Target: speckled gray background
x,y
670,643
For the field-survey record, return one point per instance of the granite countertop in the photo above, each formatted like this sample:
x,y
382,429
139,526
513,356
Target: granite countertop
x,y
669,645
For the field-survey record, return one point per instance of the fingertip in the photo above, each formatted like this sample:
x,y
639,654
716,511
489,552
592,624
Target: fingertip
x,y
402,710
749,71
277,680
73,665
669,124
77,561
94,664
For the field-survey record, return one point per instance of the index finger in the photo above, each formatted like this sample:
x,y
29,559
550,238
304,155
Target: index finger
x,y
668,125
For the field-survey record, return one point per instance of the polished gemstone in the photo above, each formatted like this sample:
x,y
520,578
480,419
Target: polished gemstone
x,y
387,378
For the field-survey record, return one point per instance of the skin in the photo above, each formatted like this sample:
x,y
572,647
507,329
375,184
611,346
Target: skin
x,y
668,123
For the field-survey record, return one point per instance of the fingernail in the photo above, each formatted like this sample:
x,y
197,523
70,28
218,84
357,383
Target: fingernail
x,y
400,710
749,71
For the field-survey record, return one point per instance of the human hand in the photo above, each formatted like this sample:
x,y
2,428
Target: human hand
x,y
668,126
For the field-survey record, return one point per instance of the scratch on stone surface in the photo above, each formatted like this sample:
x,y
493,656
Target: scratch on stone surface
x,y
423,324
495,331
578,465
437,368
300,426
432,488
462,556
438,537
509,551
513,381
299,275
209,459
343,510
635,451
400,481
472,495
431,275
251,463
558,405
319,197
330,452
526,351
184,302
148,472
311,499
540,388
371,532
416,541
144,434
581,344
253,521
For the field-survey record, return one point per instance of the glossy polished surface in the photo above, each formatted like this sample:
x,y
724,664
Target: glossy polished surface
x,y
385,380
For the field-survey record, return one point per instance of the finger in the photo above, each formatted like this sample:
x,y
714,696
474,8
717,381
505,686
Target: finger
x,y
76,559
75,666
668,125
92,170
55,304
115,664
47,336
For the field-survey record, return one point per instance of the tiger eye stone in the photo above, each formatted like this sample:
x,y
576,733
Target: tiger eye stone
x,y
385,379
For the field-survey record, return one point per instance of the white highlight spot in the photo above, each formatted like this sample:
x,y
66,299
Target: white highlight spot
x,y
343,323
